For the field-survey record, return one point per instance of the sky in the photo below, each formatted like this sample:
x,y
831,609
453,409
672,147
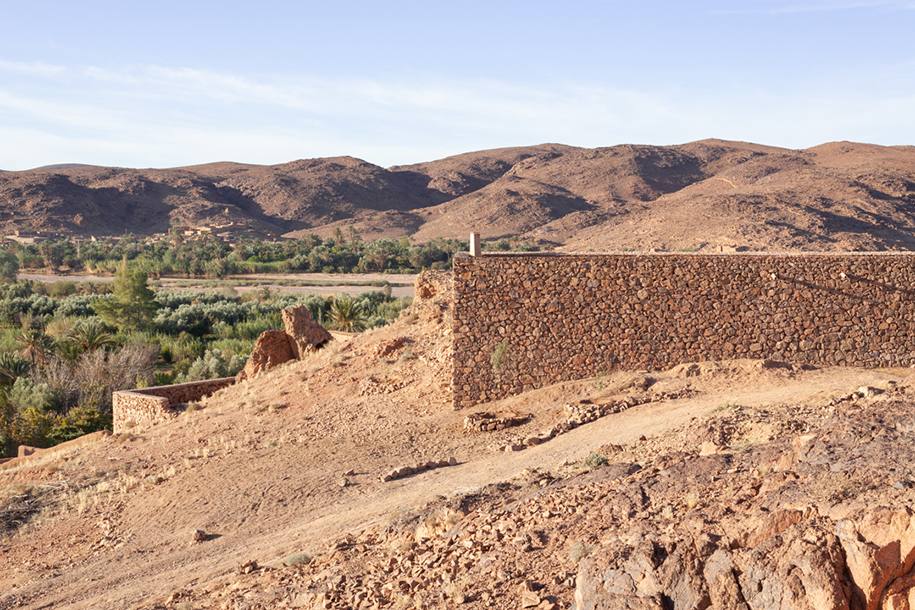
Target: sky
x,y
174,83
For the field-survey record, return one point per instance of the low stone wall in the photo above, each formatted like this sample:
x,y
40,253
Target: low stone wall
x,y
147,406
27,453
526,321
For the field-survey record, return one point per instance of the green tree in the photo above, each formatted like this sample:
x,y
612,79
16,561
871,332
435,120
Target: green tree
x,y
12,366
35,346
9,266
346,315
133,305
90,335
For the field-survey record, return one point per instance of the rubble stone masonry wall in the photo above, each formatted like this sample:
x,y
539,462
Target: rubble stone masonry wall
x,y
556,317
151,405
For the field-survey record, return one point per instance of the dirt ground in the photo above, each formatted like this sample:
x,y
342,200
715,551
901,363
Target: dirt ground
x,y
282,463
402,285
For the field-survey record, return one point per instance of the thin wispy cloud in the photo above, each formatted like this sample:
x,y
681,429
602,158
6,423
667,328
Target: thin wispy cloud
x,y
785,7
168,116
33,68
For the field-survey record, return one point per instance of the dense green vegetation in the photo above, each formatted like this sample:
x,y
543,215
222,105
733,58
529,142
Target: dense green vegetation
x,y
206,256
63,353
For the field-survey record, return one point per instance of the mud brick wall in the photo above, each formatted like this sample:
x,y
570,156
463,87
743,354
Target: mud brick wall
x,y
563,317
151,405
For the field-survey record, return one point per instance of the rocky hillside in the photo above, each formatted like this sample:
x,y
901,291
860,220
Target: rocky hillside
x,y
701,196
749,508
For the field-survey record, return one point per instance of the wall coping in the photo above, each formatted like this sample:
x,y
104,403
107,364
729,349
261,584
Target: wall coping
x,y
755,254
152,390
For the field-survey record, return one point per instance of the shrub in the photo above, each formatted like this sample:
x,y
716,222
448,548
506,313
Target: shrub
x,y
90,381
346,315
91,334
26,394
78,306
498,357
579,551
28,417
62,288
32,305
199,318
595,460
213,365
297,559
12,366
78,421
31,427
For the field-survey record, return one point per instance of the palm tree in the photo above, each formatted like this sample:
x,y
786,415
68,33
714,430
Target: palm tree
x,y
35,346
91,334
12,366
346,315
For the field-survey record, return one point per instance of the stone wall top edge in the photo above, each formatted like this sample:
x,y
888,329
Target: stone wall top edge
x,y
792,254
164,388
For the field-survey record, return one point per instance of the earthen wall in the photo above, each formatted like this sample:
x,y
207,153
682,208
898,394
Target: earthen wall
x,y
151,405
556,317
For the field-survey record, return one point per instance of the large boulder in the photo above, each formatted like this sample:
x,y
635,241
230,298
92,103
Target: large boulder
x,y
305,335
272,349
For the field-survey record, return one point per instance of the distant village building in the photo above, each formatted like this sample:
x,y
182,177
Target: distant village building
x,y
27,238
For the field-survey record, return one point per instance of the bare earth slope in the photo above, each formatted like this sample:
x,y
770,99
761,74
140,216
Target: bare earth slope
x,y
292,462
700,195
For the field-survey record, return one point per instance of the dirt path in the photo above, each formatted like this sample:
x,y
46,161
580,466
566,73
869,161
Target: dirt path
x,y
393,278
402,285
290,500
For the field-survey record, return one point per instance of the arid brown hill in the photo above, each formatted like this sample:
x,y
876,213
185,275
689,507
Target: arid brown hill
x,y
699,196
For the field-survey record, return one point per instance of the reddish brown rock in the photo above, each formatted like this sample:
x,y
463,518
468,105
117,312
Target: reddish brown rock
x,y
430,283
272,349
304,334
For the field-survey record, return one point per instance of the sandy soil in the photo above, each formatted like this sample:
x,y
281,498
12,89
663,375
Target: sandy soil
x,y
275,282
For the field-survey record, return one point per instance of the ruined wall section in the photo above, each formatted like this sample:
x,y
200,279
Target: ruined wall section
x,y
148,406
557,317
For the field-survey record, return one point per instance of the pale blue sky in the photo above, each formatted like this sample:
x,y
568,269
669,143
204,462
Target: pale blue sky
x,y
166,83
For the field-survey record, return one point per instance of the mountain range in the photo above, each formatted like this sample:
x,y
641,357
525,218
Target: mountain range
x,y
706,195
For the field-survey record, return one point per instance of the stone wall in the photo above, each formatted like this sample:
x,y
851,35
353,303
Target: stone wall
x,y
147,406
556,317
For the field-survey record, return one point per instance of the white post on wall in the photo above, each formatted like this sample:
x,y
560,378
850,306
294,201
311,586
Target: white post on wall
x,y
474,244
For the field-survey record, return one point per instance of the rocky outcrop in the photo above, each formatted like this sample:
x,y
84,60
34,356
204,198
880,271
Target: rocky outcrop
x,y
304,334
821,522
428,284
275,347
272,349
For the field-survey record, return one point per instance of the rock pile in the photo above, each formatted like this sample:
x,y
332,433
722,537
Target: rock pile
x,y
405,471
587,412
370,386
489,422
389,348
275,347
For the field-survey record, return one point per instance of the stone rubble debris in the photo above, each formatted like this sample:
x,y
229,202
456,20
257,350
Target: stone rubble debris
x,y
405,471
